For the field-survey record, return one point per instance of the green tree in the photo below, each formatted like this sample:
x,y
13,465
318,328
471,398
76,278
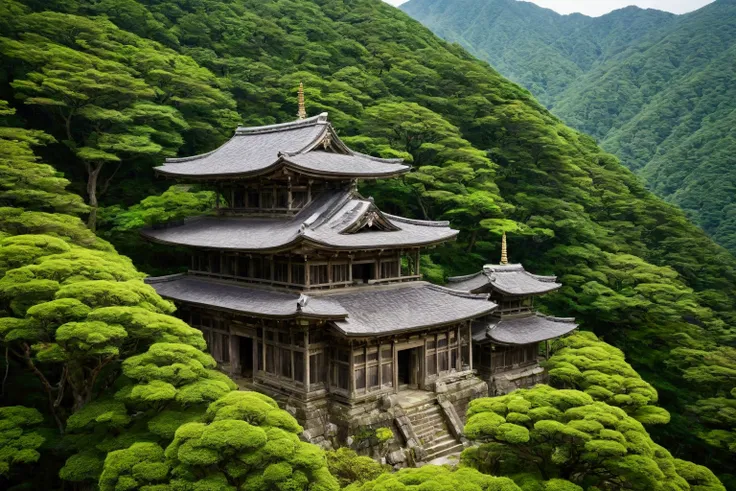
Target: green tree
x,y
349,467
433,477
581,361
566,434
244,442
19,440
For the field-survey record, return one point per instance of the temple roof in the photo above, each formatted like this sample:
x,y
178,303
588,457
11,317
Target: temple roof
x,y
227,296
308,146
508,279
522,330
357,311
338,219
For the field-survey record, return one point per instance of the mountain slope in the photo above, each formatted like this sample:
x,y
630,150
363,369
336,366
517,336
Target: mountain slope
x,y
487,156
536,47
653,88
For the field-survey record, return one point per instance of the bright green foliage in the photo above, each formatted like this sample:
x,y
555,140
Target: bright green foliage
x,y
140,466
245,443
581,361
349,467
117,99
24,182
652,87
490,158
566,434
19,442
176,203
436,478
716,370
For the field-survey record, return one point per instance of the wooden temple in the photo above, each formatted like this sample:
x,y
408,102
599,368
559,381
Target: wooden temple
x,y
307,291
304,286
507,342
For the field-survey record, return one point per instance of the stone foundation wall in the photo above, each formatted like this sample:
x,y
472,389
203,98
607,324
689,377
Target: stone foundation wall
x,y
520,378
332,424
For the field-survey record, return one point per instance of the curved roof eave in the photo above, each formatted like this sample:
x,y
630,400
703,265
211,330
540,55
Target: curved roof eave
x,y
300,240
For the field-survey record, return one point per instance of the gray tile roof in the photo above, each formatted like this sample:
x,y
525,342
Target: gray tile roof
x,y
407,307
257,150
322,223
238,298
522,330
508,279
360,311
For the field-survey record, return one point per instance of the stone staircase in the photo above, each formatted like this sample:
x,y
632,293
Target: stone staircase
x,y
431,430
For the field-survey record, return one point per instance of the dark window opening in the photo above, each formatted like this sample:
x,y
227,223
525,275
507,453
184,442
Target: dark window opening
x,y
362,273
246,357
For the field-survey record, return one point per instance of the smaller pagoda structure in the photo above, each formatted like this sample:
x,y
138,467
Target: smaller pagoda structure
x,y
507,343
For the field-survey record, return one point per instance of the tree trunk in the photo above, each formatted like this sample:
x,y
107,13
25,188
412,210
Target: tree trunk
x,y
93,173
471,242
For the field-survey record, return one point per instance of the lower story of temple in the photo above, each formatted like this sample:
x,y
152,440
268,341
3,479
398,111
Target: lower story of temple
x,y
344,390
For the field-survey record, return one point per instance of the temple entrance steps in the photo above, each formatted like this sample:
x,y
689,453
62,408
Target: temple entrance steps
x,y
428,423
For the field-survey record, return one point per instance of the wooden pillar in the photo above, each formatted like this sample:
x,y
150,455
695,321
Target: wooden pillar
x,y
289,205
351,386
458,357
306,360
263,348
436,355
254,358
234,343
365,365
395,365
470,344
546,349
380,367
416,263
306,274
309,190
350,268
288,272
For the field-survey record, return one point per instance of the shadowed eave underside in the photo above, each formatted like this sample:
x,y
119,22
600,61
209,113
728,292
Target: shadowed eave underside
x,y
356,311
310,147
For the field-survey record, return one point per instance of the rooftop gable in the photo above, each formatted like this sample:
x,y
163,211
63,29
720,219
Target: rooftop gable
x,y
310,146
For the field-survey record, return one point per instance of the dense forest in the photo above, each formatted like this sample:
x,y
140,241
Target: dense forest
x,y
103,387
655,89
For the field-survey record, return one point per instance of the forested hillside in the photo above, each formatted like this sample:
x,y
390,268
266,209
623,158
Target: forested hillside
x,y
653,88
116,86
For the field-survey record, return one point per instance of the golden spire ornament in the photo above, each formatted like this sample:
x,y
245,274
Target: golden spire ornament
x,y
302,111
504,251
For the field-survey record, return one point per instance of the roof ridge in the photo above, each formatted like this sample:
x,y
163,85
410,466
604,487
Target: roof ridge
x,y
459,293
544,278
457,279
152,280
181,160
412,221
379,159
552,318
254,130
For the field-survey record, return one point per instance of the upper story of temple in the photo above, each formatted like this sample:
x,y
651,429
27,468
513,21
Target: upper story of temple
x,y
288,213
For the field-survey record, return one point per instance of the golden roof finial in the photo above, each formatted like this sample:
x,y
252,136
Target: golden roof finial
x,y
504,251
302,111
